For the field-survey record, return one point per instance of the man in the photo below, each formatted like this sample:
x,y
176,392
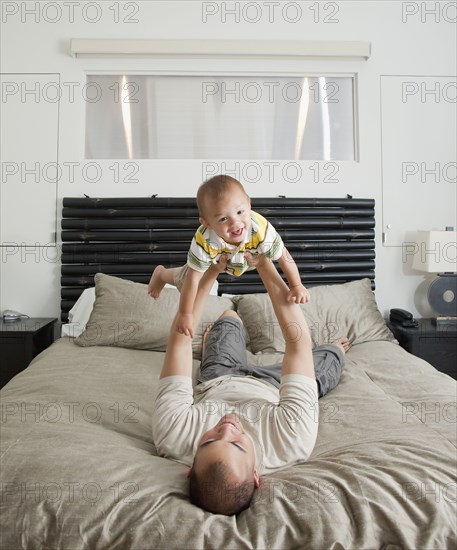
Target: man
x,y
241,421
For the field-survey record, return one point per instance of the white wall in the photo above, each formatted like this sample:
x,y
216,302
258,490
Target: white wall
x,y
407,41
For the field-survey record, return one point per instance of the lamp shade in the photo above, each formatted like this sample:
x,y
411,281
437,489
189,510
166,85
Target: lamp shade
x,y
436,252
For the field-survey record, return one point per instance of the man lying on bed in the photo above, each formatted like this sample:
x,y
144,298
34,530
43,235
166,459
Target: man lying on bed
x,y
242,421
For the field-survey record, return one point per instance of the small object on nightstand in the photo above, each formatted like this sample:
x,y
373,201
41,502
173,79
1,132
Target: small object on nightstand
x,y
436,345
20,342
11,316
445,322
403,318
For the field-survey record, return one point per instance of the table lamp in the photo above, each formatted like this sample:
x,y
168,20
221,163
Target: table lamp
x,y
437,253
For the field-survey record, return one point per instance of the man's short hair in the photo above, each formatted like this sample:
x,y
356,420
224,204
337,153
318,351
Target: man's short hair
x,y
213,490
214,189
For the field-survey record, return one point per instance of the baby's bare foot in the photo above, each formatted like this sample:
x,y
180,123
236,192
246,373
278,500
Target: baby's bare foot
x,y
342,343
156,283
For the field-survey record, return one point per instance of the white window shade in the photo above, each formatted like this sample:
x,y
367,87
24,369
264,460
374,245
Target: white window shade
x,y
214,117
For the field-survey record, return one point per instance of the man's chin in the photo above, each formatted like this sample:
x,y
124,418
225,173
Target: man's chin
x,y
232,418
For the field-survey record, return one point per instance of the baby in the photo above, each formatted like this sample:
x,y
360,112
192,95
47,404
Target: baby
x,y
231,235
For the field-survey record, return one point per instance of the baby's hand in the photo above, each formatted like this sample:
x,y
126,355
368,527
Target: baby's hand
x,y
298,294
185,324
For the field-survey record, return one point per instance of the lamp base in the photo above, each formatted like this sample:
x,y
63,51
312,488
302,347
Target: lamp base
x,y
442,295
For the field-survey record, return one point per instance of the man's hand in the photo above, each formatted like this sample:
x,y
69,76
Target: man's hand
x,y
298,294
253,260
221,264
185,324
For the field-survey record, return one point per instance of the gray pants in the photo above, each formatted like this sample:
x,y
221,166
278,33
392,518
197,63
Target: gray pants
x,y
225,353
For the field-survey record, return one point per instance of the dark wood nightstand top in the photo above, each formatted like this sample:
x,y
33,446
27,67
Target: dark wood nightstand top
x,y
426,327
21,341
24,326
435,344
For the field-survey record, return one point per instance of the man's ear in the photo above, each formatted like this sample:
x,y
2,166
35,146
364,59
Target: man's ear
x,y
256,478
203,222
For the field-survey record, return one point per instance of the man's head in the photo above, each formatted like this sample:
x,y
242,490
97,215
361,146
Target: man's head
x,y
225,207
224,476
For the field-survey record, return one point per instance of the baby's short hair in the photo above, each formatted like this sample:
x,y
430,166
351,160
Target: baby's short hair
x,y
215,188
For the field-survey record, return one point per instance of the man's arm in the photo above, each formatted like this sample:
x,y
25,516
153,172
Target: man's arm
x,y
298,358
178,357
185,320
297,293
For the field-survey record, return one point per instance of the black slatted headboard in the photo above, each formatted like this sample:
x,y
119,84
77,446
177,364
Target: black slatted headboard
x,y
331,240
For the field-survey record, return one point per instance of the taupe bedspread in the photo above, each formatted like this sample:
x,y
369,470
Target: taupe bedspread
x,y
79,469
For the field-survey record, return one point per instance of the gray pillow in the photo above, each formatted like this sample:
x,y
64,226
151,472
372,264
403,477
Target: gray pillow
x,y
125,316
347,309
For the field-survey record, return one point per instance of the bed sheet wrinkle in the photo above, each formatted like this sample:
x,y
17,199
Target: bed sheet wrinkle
x,y
11,446
342,487
418,385
424,414
36,529
115,529
381,502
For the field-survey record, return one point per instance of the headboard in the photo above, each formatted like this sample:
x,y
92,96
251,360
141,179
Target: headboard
x,y
330,239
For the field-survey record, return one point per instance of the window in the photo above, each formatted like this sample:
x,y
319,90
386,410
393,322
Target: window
x,y
220,117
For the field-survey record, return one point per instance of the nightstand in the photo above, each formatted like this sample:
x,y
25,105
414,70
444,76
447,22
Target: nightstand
x,y
436,345
20,342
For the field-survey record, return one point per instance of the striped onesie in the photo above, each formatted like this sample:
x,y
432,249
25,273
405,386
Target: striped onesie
x,y
207,247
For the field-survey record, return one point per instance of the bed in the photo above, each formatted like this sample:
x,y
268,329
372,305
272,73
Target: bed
x,y
79,467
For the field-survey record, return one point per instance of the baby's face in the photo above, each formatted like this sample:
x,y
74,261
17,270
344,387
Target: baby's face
x,y
230,216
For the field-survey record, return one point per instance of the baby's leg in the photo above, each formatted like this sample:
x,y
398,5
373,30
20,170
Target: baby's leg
x,y
160,276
